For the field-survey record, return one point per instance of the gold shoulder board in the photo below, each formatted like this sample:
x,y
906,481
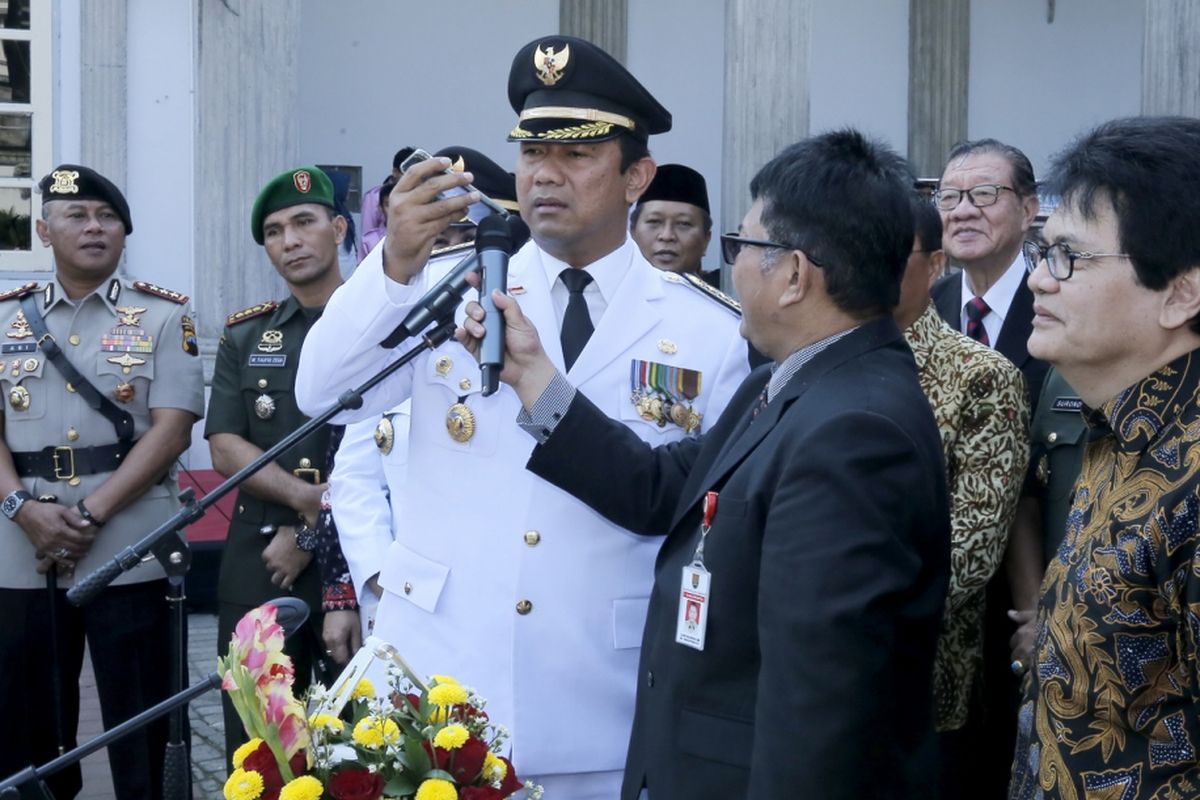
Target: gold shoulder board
x,y
253,311
702,286
158,291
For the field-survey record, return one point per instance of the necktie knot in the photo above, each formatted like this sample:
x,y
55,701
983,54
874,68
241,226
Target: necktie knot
x,y
576,280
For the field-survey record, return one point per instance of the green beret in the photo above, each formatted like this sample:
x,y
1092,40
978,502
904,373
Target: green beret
x,y
566,89
73,182
292,188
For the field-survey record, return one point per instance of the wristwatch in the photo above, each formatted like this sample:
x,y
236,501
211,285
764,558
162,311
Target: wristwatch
x,y
306,537
12,504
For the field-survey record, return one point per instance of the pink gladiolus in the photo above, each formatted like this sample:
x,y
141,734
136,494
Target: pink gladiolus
x,y
287,715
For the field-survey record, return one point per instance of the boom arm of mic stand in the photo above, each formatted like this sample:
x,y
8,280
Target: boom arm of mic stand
x,y
192,509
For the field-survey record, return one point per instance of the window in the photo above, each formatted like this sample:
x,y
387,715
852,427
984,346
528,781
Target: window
x,y
26,132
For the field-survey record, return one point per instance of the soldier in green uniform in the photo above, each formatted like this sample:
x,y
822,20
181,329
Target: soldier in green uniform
x,y
101,387
269,551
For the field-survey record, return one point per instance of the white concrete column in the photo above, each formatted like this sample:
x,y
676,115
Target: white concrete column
x,y
601,22
1171,58
103,87
939,38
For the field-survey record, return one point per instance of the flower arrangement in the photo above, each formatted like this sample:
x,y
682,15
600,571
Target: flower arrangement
x,y
419,742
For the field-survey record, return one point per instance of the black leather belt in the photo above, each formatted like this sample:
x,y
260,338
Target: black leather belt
x,y
63,463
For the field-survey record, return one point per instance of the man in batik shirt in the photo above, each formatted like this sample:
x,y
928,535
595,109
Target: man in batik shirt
x,y
1111,708
978,400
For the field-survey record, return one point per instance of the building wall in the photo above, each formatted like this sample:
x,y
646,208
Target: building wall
x,y
1037,85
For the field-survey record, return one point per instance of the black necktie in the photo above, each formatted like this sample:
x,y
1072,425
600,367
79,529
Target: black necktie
x,y
577,322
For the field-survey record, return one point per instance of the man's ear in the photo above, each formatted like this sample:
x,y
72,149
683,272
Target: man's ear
x,y
638,177
339,227
1181,303
937,266
800,274
1029,209
43,232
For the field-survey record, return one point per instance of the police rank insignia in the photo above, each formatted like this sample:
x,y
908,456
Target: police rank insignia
x,y
385,435
188,336
662,394
158,291
460,422
549,64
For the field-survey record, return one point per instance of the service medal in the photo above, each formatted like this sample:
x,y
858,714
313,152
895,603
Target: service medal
x,y
124,392
385,435
460,423
264,406
18,398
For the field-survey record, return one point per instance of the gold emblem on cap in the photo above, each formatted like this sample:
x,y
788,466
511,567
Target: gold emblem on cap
x,y
460,423
385,435
20,327
18,398
460,165
264,406
550,64
271,341
443,365
302,180
64,182
667,346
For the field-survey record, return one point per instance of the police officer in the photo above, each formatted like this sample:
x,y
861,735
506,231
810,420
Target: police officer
x,y
271,541
101,387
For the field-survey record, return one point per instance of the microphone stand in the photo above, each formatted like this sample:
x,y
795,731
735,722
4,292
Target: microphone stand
x,y
170,549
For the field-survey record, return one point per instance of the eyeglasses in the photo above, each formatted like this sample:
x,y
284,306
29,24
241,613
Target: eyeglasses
x,y
1059,258
732,244
981,196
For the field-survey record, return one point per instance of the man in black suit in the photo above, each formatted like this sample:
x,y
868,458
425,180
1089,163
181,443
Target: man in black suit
x,y
988,200
809,522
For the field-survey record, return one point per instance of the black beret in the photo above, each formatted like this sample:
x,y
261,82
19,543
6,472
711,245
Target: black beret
x,y
73,182
568,89
490,177
679,184
292,188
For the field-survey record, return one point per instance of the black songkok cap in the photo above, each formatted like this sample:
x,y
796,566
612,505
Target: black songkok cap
x,y
679,184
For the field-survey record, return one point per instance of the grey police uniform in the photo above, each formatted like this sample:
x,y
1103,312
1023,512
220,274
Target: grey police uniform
x,y
136,344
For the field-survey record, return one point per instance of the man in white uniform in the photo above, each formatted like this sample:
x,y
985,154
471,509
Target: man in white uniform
x,y
496,577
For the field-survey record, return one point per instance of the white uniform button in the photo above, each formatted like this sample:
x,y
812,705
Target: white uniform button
x,y
532,538
407,587
1052,438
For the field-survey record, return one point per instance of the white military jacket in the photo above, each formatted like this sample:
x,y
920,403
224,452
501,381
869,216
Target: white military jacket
x,y
496,577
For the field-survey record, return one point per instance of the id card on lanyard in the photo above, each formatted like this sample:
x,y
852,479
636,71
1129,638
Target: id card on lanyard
x,y
694,589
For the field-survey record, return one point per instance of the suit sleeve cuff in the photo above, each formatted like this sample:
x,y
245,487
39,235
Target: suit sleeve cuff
x,y
548,410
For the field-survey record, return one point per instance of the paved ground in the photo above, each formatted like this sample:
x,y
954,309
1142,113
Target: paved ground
x,y
208,758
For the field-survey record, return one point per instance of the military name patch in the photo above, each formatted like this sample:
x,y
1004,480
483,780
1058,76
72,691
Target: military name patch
x,y
1067,404
22,347
258,360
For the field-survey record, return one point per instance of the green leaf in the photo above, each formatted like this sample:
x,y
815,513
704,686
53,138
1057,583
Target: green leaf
x,y
438,773
415,755
400,785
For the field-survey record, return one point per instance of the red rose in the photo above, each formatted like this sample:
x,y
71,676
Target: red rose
x,y
479,793
262,761
355,784
511,782
464,764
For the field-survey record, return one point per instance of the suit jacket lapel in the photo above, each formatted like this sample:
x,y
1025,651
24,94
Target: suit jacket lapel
x,y
744,438
1014,336
537,305
630,316
947,299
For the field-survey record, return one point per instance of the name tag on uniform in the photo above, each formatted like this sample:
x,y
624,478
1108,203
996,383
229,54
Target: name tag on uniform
x,y
693,606
1067,404
19,347
259,360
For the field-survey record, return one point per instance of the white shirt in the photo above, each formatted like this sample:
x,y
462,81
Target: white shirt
x,y
607,274
999,298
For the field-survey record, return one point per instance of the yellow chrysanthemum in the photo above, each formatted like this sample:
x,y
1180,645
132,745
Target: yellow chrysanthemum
x,y
451,737
306,787
447,694
243,785
375,733
434,789
326,721
493,768
444,679
242,753
363,689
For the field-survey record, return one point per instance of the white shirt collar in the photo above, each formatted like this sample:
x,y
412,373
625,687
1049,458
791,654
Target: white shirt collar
x,y
607,273
998,297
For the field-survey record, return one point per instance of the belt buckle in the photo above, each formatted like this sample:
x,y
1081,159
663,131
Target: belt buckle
x,y
308,474
58,470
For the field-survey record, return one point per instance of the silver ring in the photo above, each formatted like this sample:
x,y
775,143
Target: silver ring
x,y
1017,666
61,553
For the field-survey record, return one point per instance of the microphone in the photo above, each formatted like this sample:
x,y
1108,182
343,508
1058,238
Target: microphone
x,y
438,302
494,244
290,613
